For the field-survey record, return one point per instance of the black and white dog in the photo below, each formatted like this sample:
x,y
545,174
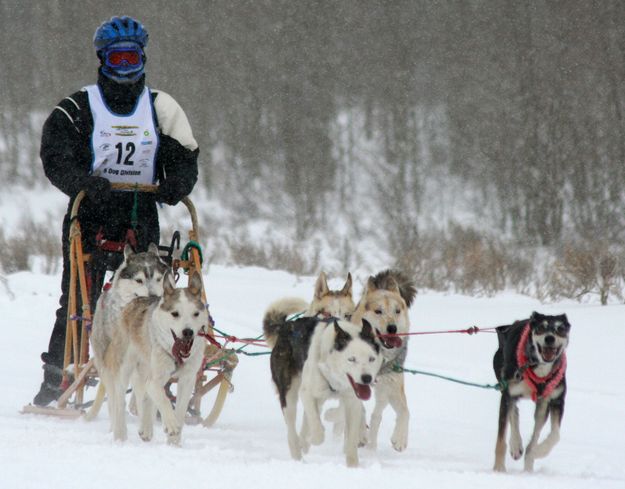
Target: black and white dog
x,y
531,363
313,360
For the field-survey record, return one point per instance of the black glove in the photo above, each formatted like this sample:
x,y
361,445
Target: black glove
x,y
98,189
170,191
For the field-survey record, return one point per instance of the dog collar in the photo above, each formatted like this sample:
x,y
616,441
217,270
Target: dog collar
x,y
541,387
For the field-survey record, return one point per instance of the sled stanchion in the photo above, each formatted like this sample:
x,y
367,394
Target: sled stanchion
x,y
223,378
83,355
78,281
70,326
76,385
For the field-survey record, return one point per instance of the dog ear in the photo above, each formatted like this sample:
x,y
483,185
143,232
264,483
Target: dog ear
x,y
152,248
342,338
367,329
566,320
128,251
347,288
169,284
195,283
371,285
393,286
367,334
321,286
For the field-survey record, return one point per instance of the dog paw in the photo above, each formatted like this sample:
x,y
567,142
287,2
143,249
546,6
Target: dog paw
x,y
499,467
363,439
516,451
296,452
317,436
529,464
351,460
174,439
400,443
145,435
400,447
173,430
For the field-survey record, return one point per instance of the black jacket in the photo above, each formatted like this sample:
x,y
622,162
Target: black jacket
x,y
67,156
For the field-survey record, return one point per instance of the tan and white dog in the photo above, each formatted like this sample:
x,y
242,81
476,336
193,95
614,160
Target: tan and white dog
x,y
154,342
384,304
326,303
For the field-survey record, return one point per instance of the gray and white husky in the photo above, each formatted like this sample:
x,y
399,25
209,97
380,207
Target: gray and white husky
x,y
154,342
139,275
318,359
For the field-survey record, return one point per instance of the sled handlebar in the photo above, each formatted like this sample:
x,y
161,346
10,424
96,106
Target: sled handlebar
x,y
139,188
133,186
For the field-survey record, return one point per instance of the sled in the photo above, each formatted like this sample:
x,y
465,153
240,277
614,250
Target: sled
x,y
79,372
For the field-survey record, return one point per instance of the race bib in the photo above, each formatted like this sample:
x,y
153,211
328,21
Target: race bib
x,y
124,146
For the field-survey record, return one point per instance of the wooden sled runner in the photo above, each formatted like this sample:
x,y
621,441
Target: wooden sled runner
x,y
78,368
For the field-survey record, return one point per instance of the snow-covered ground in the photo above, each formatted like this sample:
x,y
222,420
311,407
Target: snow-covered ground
x,y
452,431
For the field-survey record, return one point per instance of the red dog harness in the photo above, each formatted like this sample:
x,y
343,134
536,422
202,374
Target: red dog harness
x,y
545,385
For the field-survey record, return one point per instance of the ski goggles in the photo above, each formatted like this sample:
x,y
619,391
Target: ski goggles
x,y
123,58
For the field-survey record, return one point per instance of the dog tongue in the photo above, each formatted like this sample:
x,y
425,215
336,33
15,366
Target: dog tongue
x,y
393,340
549,353
362,391
182,347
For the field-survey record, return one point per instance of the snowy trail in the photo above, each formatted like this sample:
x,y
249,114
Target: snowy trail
x,y
453,427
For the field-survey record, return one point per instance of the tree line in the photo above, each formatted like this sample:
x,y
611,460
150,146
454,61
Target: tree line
x,y
305,110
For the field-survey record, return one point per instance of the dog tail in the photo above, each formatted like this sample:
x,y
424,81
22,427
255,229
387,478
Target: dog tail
x,y
276,315
407,289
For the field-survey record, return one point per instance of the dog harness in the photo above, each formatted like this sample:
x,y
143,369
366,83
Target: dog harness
x,y
541,387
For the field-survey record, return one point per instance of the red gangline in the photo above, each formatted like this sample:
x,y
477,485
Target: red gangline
x,y
470,331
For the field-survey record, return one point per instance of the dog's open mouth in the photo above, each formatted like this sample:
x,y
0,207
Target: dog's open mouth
x,y
389,340
548,353
182,347
362,391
